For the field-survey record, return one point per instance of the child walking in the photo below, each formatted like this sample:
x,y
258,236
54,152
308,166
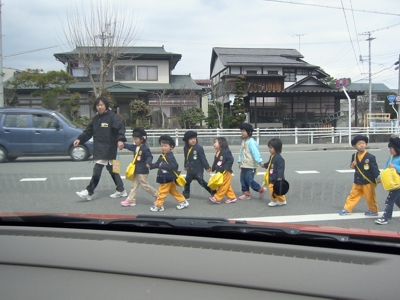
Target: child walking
x,y
142,159
275,171
393,196
365,178
223,162
166,165
249,159
195,163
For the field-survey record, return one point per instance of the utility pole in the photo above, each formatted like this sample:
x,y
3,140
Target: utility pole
x,y
369,39
1,64
398,90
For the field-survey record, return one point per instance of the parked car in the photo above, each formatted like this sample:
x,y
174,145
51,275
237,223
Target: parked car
x,y
39,132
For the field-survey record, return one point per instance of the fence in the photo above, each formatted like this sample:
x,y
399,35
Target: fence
x,y
287,135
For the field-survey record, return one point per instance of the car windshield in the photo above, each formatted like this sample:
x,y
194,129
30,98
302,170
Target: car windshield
x,y
282,117
66,120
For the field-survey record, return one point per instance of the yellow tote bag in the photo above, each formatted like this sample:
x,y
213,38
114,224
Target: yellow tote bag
x,y
179,180
130,170
390,179
216,180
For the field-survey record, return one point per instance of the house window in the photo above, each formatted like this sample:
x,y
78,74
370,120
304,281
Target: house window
x,y
272,72
146,73
251,72
176,111
290,74
302,71
125,73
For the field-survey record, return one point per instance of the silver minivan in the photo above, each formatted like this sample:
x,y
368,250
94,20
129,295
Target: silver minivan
x,y
39,132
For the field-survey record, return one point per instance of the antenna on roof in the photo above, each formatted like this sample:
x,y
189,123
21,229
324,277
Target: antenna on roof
x,y
299,35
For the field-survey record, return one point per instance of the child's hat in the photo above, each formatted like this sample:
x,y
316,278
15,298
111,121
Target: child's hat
x,y
394,143
141,131
167,138
246,126
281,187
359,138
189,134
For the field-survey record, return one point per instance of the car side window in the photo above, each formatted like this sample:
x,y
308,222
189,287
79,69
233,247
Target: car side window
x,y
43,121
15,120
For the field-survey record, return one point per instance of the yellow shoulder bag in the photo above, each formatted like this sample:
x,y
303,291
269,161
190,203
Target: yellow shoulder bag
x,y
390,179
130,170
179,180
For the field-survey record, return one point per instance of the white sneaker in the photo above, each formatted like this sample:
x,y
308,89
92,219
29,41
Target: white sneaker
x,y
277,203
182,205
119,194
84,194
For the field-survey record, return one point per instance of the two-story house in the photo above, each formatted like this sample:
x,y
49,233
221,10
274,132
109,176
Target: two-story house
x,y
143,73
282,90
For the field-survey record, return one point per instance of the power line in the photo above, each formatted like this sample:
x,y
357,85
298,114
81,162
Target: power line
x,y
29,51
348,31
333,7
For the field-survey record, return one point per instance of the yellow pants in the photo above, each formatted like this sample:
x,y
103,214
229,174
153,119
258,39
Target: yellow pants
x,y
141,179
359,190
225,189
274,197
163,191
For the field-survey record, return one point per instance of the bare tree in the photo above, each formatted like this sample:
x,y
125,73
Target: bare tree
x,y
162,97
100,34
217,94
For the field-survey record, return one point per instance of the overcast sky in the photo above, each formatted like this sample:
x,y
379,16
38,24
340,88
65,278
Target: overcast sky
x,y
328,37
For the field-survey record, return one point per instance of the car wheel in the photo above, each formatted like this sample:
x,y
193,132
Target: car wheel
x,y
3,155
79,153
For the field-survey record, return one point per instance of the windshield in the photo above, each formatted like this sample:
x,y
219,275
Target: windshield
x,y
292,131
66,120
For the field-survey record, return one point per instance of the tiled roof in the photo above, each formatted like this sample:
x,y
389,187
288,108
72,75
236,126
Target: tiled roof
x,y
259,57
129,52
376,87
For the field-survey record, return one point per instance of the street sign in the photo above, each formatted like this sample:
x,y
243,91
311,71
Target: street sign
x,y
342,82
391,98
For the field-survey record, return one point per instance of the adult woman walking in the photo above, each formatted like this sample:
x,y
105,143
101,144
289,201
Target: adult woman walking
x,y
108,134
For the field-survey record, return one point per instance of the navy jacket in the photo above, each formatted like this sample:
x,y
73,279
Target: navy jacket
x,y
144,157
223,162
165,172
277,167
368,166
196,162
107,130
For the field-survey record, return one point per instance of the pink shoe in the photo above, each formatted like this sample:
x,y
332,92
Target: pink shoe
x,y
128,203
262,191
213,199
230,200
245,197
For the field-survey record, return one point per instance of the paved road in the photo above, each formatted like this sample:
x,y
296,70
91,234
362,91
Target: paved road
x,y
318,174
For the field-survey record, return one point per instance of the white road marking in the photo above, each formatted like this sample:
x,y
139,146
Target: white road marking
x,y
345,171
33,179
307,172
315,217
80,178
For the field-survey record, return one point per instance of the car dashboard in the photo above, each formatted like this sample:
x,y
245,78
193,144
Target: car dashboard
x,y
71,263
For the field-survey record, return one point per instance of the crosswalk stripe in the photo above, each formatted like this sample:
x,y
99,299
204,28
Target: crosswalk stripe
x,y
307,172
345,171
33,179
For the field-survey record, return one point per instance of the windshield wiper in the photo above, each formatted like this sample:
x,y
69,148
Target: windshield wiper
x,y
47,219
221,225
215,225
